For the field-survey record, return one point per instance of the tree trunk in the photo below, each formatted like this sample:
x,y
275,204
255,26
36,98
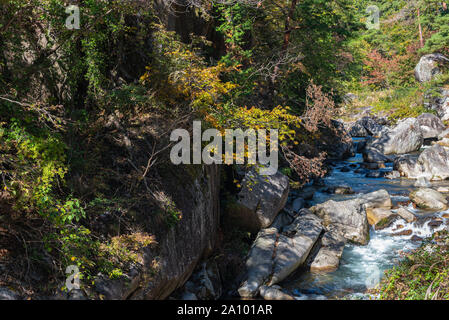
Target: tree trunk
x,y
421,40
288,30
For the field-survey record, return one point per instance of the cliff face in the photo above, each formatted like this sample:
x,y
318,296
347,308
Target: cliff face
x,y
196,193
194,236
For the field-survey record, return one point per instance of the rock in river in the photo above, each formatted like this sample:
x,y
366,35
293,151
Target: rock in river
x,y
404,138
374,156
380,218
260,200
433,164
430,199
274,293
294,246
349,216
259,263
406,215
329,255
431,126
274,256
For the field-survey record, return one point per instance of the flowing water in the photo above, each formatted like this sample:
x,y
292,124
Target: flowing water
x,y
362,267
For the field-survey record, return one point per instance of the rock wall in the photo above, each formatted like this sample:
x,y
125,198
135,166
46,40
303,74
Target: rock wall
x,y
192,239
180,248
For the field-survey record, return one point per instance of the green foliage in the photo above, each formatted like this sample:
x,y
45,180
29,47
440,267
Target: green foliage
x,y
436,20
402,103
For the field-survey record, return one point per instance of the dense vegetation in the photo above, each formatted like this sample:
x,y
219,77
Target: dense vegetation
x,y
71,101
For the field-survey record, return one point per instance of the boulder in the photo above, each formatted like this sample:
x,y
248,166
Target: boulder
x,y
349,216
430,199
371,125
432,164
259,263
329,255
373,156
406,215
429,66
283,219
376,199
260,200
294,245
406,137
118,289
274,293
380,218
408,166
357,130
402,233
431,126
435,163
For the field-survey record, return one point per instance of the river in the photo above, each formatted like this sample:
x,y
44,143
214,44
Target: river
x,y
362,267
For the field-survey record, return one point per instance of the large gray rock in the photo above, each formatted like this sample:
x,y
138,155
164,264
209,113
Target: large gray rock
x,y
435,163
376,199
329,255
430,199
445,134
259,264
380,218
373,156
372,125
274,293
406,214
431,126
260,200
349,216
274,256
429,66
432,164
408,166
406,137
294,246
357,130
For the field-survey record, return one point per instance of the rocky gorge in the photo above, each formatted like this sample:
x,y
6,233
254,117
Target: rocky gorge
x,y
387,198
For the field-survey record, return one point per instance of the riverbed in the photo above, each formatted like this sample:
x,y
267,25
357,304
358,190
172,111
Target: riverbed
x,y
362,267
